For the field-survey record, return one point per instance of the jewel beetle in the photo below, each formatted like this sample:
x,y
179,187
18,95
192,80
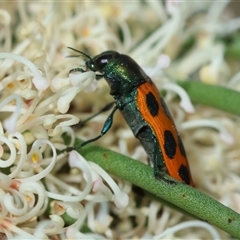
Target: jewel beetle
x,y
144,110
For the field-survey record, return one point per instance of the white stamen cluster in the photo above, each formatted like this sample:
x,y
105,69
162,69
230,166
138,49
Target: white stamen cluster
x,y
40,188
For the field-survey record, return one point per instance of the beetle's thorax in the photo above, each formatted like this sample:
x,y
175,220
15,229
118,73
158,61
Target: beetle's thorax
x,y
123,75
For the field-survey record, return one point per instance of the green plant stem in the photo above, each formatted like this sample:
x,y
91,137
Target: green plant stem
x,y
212,95
181,195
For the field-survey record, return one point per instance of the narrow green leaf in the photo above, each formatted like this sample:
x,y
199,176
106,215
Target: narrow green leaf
x,y
181,195
212,95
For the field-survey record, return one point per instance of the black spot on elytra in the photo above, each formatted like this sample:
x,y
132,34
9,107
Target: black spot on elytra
x,y
165,108
152,104
181,147
184,174
170,145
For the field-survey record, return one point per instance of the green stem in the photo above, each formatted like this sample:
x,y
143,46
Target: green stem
x,y
181,195
212,95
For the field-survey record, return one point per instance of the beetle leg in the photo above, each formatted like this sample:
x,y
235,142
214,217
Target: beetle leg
x,y
77,70
106,126
151,146
98,76
104,109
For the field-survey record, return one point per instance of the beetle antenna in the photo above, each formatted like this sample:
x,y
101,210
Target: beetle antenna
x,y
82,53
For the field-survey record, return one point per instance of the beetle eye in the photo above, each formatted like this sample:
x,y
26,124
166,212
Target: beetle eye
x,y
102,61
99,62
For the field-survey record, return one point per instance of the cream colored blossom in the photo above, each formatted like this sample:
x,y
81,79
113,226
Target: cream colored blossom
x,y
40,101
